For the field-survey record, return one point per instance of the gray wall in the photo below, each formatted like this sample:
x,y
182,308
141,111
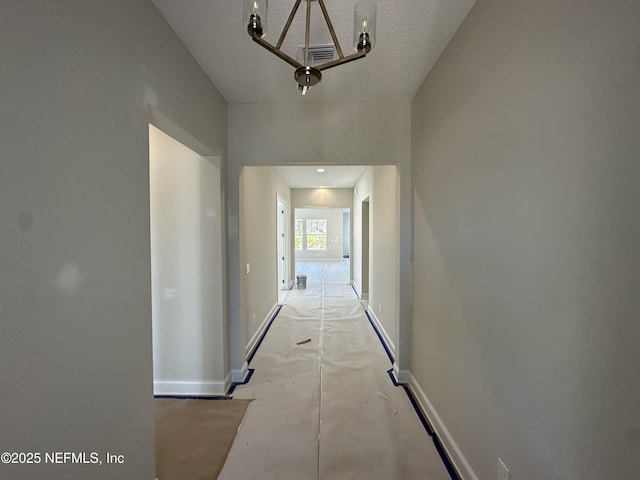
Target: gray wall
x,y
259,187
77,80
527,238
378,186
322,197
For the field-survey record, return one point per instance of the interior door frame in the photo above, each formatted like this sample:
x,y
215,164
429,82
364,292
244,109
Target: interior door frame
x,y
282,258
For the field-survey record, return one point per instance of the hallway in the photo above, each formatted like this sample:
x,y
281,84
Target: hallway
x,y
326,408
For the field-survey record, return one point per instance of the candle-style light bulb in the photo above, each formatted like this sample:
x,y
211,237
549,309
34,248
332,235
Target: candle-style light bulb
x,y
255,17
364,26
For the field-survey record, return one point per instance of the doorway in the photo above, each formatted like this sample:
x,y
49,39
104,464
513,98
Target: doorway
x,y
186,269
346,233
281,246
364,293
319,234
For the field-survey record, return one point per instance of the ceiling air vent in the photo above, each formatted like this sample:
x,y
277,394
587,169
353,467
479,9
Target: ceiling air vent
x,y
318,53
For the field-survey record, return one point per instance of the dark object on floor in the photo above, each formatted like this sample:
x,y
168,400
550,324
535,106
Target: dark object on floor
x,y
303,341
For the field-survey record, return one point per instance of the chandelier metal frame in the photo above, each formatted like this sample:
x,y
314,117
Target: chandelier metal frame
x,y
305,74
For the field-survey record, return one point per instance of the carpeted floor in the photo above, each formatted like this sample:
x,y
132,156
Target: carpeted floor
x,y
193,437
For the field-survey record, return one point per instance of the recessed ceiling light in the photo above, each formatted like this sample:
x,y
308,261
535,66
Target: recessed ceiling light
x,y
320,170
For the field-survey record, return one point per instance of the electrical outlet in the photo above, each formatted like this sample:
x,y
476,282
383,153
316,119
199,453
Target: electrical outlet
x,y
254,318
380,308
503,471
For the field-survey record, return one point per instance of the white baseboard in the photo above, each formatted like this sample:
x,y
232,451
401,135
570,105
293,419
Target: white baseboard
x,y
240,375
260,331
356,288
402,376
291,284
178,387
383,332
448,443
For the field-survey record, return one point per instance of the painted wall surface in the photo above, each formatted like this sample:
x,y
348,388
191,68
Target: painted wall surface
x,y
527,238
186,261
322,197
377,133
378,184
259,187
384,268
78,80
334,234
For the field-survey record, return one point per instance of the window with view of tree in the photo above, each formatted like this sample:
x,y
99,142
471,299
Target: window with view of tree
x,y
311,234
299,233
316,231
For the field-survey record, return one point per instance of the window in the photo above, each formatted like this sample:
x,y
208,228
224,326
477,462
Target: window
x,y
316,234
299,233
311,234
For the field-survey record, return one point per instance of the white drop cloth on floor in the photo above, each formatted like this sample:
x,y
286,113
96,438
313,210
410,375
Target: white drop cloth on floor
x,y
327,409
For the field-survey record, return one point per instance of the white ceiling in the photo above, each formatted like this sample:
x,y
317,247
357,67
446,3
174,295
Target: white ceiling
x,y
411,34
333,176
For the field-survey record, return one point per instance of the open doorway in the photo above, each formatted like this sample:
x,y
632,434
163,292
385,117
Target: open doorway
x,y
186,269
364,261
364,238
320,238
320,234
346,233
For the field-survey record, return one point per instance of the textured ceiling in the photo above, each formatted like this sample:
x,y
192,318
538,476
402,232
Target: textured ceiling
x,y
411,34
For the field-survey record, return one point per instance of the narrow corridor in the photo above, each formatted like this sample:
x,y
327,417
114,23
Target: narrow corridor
x,y
326,408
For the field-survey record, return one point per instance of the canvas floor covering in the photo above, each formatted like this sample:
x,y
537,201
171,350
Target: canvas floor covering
x,y
327,409
193,437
